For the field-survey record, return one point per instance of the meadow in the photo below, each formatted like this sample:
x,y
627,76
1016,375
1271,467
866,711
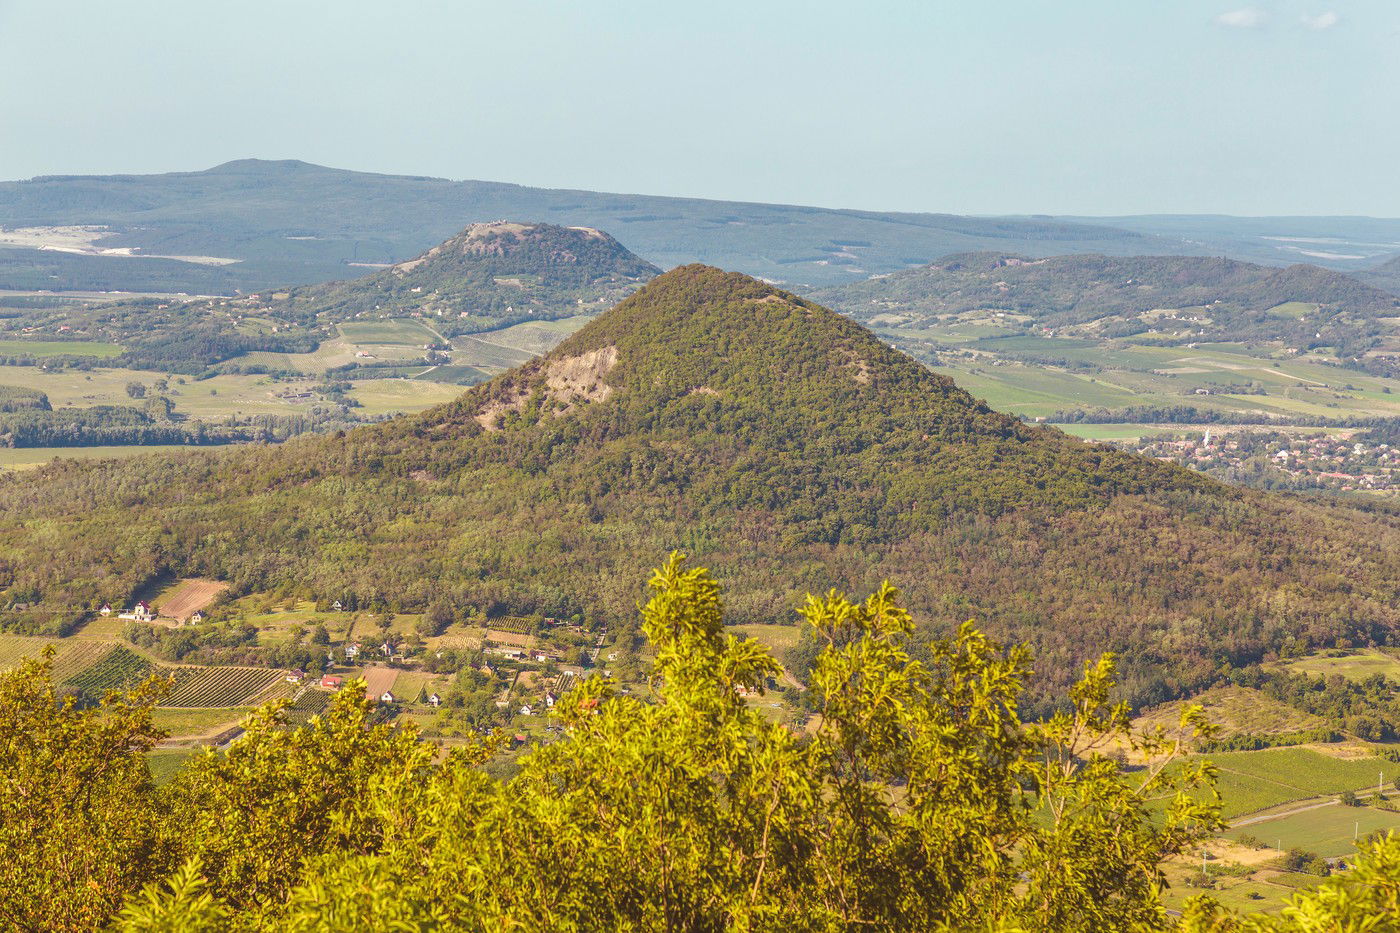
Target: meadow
x,y
59,348
1357,665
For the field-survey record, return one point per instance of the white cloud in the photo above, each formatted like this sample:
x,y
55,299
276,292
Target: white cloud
x,y
1322,20
1251,17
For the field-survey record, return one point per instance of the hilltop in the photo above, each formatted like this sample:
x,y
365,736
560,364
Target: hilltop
x,y
783,445
1222,298
490,275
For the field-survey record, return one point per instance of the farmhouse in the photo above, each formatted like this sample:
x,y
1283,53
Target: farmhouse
x,y
105,611
435,700
332,681
387,697
196,617
143,612
296,677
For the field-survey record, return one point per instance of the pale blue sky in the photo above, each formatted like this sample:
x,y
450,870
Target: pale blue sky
x,y
976,106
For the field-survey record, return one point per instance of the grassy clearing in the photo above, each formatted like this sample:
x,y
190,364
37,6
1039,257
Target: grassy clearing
x,y
776,638
59,348
29,458
1355,666
1236,710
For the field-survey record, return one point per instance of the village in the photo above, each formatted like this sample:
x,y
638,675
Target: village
x,y
450,676
1338,460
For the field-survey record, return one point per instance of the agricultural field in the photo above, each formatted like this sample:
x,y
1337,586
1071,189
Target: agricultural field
x,y
405,332
379,679
208,687
119,667
1328,830
28,458
776,638
185,597
198,723
309,703
166,762
58,348
1037,376
1356,665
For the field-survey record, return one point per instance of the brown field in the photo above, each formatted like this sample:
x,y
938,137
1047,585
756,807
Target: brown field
x,y
379,679
510,638
188,597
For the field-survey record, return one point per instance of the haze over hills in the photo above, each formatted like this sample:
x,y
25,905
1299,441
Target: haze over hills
x,y
1386,275
782,444
288,222
1223,299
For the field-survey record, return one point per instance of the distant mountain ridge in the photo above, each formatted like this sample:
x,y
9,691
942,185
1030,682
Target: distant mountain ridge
x,y
489,275
780,443
1231,300
290,222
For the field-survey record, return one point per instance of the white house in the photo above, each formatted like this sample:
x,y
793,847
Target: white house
x,y
435,700
105,611
387,697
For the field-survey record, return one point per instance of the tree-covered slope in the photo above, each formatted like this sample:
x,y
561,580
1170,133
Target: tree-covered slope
x,y
776,440
1230,299
488,276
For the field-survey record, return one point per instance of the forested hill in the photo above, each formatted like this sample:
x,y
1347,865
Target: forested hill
x,y
780,443
1061,291
490,275
1385,276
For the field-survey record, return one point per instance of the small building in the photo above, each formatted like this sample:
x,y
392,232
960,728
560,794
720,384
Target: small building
x,y
143,612
435,701
296,677
196,617
352,650
386,649
105,611
527,710
336,606
332,681
387,697
549,700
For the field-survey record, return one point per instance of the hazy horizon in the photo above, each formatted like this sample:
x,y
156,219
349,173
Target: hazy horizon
x,y
1101,109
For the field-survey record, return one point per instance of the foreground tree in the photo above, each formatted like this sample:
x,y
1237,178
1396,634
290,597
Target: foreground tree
x,y
80,829
918,801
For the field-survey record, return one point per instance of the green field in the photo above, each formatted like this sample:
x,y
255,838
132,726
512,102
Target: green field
x,y
186,723
1119,432
1120,373
23,458
776,638
1354,666
165,762
58,348
1327,830
1252,781
393,332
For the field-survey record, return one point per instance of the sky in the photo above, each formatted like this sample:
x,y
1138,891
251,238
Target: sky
x,y
1095,107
